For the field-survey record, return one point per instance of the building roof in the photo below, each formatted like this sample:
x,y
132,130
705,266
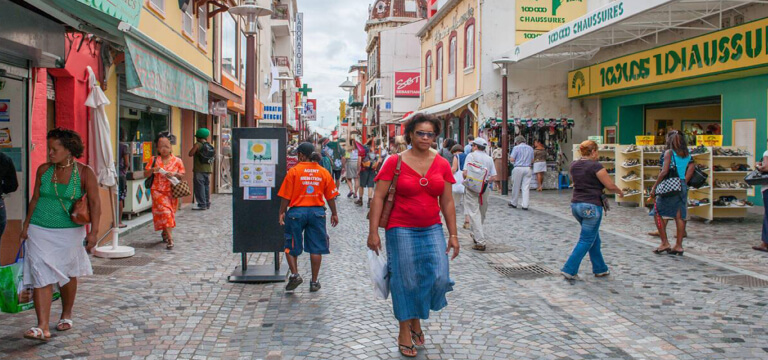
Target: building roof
x,y
383,11
444,10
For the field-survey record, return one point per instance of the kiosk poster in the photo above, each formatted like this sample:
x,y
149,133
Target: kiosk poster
x,y
257,193
257,175
709,140
258,151
5,110
5,138
645,140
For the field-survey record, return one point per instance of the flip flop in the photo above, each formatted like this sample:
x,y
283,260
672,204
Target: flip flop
x,y
759,248
407,348
37,334
64,322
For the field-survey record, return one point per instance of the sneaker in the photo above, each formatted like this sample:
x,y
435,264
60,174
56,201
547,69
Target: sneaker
x,y
603,274
314,286
198,207
568,276
512,206
478,247
350,195
293,282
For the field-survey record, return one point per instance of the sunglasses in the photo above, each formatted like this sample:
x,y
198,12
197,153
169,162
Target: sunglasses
x,y
426,134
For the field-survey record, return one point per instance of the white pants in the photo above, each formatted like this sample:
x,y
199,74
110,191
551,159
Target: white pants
x,y
458,200
476,213
521,181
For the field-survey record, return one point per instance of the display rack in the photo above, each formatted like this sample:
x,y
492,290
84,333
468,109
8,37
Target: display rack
x,y
730,176
606,151
704,193
624,155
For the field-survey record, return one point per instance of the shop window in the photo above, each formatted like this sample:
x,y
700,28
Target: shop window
x,y
410,5
428,71
229,45
452,55
439,60
188,19
202,27
157,5
243,57
469,45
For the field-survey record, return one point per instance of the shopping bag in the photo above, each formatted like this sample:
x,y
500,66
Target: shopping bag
x,y
379,275
14,296
458,187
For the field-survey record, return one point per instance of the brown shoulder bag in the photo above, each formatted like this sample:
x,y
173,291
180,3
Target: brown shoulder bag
x,y
81,214
390,201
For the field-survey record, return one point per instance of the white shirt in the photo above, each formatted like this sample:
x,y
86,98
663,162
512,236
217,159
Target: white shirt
x,y
482,158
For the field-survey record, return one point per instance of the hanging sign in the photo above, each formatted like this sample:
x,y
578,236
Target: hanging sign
x,y
310,110
597,139
407,84
645,140
709,140
299,45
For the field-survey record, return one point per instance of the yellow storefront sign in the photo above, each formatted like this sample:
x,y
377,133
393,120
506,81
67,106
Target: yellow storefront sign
x,y
709,140
645,140
523,36
545,15
733,49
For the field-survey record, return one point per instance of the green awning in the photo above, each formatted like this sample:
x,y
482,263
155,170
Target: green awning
x,y
100,17
152,71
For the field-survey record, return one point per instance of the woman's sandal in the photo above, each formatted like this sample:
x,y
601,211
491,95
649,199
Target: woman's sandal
x,y
169,246
662,251
675,252
404,348
64,325
417,338
37,334
165,236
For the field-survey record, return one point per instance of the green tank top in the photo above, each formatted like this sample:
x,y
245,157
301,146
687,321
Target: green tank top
x,y
49,212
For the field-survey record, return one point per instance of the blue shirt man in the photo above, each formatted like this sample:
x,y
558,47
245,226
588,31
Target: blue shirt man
x,y
468,148
522,157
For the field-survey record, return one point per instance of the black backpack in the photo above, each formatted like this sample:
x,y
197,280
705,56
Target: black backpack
x,y
207,153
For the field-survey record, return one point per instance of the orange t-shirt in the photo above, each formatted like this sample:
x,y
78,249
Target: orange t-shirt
x,y
308,184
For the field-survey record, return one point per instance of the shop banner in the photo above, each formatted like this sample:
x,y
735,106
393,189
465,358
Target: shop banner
x,y
736,48
299,63
543,16
597,139
342,109
407,84
645,140
310,110
125,10
709,140
153,76
609,14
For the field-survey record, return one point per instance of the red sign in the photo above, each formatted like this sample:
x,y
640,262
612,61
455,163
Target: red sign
x,y
291,162
407,84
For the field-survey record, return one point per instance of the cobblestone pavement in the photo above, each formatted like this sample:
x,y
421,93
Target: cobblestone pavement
x,y
178,304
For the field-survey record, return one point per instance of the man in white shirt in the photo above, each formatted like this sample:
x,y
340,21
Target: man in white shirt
x,y
477,203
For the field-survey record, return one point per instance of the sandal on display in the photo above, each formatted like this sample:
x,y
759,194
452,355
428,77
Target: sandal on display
x,y
36,333
64,325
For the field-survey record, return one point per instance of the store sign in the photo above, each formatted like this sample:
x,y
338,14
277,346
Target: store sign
x,y
737,48
597,139
217,108
645,140
544,15
709,140
407,84
125,10
299,45
150,75
456,21
310,110
273,111
609,14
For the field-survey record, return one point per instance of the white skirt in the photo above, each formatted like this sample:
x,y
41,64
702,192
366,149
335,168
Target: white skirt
x,y
539,167
55,255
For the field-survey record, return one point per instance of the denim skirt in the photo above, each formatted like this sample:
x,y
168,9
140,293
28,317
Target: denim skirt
x,y
418,271
668,206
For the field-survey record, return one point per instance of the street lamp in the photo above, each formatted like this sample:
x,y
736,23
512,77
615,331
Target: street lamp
x,y
502,63
284,86
250,12
349,87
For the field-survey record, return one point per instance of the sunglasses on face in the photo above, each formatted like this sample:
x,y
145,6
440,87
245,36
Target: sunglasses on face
x,y
426,134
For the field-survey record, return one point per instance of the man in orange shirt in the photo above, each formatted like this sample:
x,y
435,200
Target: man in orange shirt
x,y
306,188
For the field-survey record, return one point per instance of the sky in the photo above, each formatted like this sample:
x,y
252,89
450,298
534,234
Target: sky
x,y
334,40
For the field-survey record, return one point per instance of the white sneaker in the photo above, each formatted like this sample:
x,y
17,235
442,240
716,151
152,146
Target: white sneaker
x,y
568,276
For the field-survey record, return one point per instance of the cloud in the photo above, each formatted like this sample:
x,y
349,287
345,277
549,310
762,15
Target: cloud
x,y
334,39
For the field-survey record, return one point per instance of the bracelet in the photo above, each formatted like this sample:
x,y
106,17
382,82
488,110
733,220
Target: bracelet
x,y
452,236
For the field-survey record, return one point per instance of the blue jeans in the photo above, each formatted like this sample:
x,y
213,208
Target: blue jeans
x,y
589,216
765,217
305,231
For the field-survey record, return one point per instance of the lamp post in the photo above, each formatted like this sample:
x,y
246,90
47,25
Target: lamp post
x,y
283,85
502,63
349,87
250,12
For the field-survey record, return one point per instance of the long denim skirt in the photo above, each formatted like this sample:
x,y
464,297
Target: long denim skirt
x,y
418,271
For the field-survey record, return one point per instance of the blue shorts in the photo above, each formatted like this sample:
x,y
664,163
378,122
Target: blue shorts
x,y
305,231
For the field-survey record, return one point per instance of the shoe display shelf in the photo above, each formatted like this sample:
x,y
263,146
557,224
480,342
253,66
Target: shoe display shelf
x,y
726,161
629,174
703,211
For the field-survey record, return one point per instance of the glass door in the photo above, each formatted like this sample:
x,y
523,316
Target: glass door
x,y
13,142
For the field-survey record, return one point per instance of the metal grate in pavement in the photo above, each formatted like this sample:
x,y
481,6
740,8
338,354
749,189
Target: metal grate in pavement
x,y
741,280
131,261
104,270
499,249
525,272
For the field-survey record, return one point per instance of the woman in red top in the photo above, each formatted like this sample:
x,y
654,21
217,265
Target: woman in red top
x,y
416,248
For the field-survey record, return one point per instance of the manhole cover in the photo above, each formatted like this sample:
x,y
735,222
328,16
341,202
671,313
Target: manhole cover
x,y
131,261
523,272
499,249
741,280
104,270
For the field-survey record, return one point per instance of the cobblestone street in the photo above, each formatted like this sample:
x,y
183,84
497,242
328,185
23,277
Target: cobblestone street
x,y
178,304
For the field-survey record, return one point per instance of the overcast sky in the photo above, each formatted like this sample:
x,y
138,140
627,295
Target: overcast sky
x,y
334,39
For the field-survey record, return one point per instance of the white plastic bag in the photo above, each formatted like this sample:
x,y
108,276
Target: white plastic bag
x,y
378,268
458,187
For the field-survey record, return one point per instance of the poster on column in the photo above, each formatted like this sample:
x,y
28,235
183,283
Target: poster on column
x,y
258,151
257,175
310,110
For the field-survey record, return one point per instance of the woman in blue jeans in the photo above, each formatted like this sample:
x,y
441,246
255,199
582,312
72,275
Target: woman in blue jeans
x,y
763,167
589,179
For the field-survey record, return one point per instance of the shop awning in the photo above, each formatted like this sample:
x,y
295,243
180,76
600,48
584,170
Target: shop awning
x,y
446,107
617,23
152,71
99,17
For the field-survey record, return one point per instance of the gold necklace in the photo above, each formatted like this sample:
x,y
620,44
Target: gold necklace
x,y
54,180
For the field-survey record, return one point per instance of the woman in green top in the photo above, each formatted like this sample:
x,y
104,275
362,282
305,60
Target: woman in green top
x,y
54,252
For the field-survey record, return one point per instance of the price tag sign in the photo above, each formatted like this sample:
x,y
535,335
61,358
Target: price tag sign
x,y
645,140
597,139
709,140
146,151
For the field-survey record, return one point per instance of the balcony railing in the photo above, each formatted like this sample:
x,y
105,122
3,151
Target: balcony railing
x,y
281,61
280,12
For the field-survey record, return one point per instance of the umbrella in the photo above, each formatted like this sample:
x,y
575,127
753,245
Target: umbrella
x,y
104,164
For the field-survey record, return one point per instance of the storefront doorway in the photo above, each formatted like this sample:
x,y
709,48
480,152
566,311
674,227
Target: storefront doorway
x,y
693,117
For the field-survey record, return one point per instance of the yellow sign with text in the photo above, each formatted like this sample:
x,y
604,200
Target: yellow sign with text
x,y
709,140
733,49
645,140
523,36
546,15
146,151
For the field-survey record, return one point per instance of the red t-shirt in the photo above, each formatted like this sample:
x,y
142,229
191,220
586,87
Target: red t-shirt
x,y
416,206
308,184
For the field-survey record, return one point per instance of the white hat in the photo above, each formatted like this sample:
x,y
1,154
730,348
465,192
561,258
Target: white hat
x,y
480,142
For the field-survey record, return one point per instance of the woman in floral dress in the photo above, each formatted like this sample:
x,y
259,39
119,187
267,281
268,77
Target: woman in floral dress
x,y
164,205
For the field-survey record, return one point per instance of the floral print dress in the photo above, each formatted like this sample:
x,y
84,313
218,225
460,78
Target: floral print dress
x,y
164,205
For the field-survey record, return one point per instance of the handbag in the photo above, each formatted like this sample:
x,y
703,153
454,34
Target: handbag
x,y
148,181
180,189
756,177
698,179
389,202
672,184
